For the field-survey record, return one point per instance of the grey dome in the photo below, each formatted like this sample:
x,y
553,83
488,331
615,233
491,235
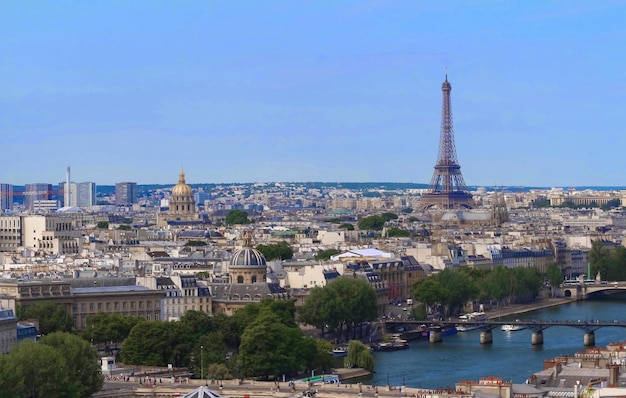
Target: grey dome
x,y
248,258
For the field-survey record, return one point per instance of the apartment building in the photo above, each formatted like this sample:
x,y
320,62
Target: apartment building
x,y
51,234
10,233
128,300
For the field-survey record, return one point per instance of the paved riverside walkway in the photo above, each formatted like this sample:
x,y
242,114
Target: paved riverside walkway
x,y
514,309
251,389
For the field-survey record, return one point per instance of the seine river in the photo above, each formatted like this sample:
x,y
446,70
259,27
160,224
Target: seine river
x,y
510,357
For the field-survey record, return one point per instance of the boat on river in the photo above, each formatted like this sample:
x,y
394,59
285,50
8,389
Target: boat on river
x,y
467,321
340,352
393,345
513,327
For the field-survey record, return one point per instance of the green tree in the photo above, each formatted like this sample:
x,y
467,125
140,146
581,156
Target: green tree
x,y
325,255
419,312
11,378
460,288
270,348
52,317
43,369
347,226
429,291
124,227
106,328
359,356
389,216
599,258
397,233
323,359
611,204
82,362
554,276
155,343
195,324
102,225
218,371
617,270
321,309
276,251
355,300
375,223
237,217
407,210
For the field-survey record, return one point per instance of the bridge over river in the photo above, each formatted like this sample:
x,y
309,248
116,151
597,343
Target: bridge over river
x,y
436,329
584,289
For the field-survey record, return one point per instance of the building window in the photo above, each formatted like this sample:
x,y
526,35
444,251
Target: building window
x,y
124,305
117,305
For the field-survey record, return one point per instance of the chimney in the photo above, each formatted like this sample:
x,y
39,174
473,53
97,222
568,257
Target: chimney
x,y
67,188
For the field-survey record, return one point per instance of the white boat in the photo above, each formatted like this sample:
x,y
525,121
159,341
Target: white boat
x,y
466,328
340,352
512,327
467,321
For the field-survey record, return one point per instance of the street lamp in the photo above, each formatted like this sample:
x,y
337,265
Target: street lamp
x,y
202,362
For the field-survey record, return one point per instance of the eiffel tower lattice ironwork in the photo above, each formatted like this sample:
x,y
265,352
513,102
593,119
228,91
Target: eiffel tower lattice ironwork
x,y
447,189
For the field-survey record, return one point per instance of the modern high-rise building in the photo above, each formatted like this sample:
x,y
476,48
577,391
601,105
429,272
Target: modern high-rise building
x,y
81,194
125,193
35,192
85,194
65,196
6,197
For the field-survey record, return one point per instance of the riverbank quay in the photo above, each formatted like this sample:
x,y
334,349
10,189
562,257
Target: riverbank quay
x,y
516,309
252,388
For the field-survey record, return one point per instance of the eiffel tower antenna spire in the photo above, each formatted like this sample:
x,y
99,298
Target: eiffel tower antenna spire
x,y
447,188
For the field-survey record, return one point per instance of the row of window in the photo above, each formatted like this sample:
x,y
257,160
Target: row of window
x,y
116,306
193,300
81,322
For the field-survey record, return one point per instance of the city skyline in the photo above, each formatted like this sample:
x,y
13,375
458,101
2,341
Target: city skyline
x,y
343,91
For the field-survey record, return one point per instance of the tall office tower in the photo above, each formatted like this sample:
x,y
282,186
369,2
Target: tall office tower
x,y
34,192
447,189
125,193
85,194
65,193
6,197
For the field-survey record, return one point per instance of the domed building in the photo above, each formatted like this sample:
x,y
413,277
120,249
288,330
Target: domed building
x,y
247,265
182,202
246,283
182,205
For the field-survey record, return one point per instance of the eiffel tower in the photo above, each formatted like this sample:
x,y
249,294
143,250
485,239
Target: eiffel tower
x,y
447,189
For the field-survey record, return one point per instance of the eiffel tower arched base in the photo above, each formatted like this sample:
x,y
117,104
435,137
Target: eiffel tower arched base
x,y
447,201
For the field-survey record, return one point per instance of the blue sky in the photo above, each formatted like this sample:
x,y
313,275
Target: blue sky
x,y
247,91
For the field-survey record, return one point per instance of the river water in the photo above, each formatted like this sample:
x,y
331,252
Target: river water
x,y
510,357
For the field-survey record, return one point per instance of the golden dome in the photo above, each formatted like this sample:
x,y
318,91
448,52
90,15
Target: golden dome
x,y
182,189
